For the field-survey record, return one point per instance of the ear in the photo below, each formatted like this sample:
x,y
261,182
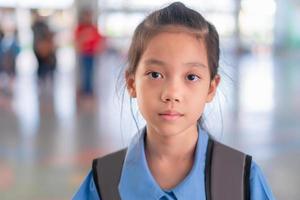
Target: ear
x,y
213,88
130,84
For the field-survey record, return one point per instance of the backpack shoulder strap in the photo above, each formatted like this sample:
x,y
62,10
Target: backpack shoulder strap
x,y
106,174
227,173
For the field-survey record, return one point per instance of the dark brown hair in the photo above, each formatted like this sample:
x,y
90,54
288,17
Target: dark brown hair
x,y
175,16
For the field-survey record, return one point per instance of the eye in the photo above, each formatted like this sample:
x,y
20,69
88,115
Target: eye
x,y
192,77
154,75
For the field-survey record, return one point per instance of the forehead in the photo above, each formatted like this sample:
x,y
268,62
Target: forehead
x,y
176,46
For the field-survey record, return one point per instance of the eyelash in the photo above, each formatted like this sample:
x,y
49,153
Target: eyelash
x,y
151,73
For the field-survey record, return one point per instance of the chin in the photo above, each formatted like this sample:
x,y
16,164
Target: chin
x,y
168,129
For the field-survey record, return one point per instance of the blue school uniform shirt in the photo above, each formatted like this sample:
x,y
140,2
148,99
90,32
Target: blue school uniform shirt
x,y
137,182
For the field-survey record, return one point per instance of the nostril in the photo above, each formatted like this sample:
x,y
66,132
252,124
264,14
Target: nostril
x,y
171,99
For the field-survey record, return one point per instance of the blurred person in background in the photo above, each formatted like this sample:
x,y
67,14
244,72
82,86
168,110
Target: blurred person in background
x,y
44,48
9,49
2,75
89,43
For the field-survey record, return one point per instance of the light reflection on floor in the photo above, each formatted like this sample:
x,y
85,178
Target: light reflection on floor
x,y
47,142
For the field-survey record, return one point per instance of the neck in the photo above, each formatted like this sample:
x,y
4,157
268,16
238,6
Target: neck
x,y
173,148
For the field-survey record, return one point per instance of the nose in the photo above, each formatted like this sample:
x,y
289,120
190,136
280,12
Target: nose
x,y
171,92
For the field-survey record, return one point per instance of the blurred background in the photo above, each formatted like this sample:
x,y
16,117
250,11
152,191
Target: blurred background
x,y
62,104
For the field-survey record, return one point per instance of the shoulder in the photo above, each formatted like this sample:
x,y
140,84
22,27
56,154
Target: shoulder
x,y
118,153
106,173
258,184
219,153
109,160
87,189
259,188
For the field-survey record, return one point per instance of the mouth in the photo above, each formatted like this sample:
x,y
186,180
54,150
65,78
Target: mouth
x,y
170,115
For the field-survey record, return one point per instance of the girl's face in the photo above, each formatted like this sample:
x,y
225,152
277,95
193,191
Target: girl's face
x,y
172,83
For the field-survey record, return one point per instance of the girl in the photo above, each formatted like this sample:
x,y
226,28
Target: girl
x,y
173,73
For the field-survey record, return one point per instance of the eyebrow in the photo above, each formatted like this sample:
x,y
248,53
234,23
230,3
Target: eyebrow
x,y
153,61
195,64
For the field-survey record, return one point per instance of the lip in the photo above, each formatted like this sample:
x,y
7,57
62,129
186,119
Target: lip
x,y
170,115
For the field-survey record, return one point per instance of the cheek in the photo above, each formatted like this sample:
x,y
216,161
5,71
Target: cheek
x,y
147,89
146,95
197,101
145,105
197,104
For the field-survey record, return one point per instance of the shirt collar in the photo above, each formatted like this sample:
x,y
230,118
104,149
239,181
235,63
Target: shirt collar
x,y
136,175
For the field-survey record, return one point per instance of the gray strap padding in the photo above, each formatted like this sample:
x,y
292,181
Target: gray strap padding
x,y
227,173
107,172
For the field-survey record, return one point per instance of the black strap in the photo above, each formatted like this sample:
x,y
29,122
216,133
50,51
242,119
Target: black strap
x,y
106,173
227,173
247,177
208,161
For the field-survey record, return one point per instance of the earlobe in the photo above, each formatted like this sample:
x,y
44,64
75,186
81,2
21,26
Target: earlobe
x,y
132,93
